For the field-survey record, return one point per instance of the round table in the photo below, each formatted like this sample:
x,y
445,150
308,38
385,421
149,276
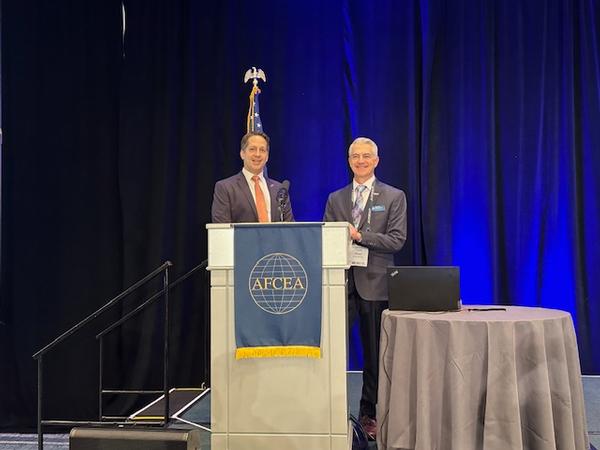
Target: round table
x,y
480,379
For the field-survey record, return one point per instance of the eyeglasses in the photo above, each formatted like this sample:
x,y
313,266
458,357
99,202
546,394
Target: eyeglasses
x,y
364,156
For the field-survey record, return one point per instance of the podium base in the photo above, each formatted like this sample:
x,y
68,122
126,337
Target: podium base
x,y
278,442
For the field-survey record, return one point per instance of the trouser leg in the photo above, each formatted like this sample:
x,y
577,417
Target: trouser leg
x,y
370,329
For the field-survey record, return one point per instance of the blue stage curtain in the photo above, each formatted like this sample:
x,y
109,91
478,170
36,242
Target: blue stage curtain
x,y
486,114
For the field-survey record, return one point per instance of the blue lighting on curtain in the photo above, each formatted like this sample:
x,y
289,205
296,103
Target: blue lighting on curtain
x,y
484,114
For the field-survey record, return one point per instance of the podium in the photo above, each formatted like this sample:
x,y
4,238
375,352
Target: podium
x,y
279,403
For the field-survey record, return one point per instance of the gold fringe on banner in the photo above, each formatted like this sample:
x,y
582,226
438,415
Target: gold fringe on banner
x,y
290,351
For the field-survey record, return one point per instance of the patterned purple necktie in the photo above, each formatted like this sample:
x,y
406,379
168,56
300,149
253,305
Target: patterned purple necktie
x,y
357,209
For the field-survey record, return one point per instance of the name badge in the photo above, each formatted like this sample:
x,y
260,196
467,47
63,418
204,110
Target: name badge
x,y
359,255
377,208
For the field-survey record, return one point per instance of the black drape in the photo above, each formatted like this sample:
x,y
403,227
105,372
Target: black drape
x,y
62,224
485,114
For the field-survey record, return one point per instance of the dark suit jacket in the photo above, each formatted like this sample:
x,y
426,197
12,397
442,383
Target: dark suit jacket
x,y
384,236
233,202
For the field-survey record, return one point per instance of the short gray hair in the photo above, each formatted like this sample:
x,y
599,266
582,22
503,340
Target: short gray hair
x,y
363,140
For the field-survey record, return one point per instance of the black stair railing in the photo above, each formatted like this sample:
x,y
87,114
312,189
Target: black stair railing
x,y
100,337
39,355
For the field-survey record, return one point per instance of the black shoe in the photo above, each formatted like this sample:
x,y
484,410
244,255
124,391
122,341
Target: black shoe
x,y
370,426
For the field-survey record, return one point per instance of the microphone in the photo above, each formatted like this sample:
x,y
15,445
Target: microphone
x,y
282,196
283,191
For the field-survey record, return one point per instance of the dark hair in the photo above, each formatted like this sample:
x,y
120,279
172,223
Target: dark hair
x,y
248,135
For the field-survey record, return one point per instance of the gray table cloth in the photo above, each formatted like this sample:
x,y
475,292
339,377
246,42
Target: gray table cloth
x,y
480,380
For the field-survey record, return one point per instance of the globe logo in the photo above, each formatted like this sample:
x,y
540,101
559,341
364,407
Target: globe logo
x,y
278,283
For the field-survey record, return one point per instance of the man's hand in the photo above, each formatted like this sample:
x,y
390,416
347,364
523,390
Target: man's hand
x,y
355,234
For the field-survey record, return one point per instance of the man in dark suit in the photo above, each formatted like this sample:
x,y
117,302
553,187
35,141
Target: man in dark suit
x,y
377,213
249,196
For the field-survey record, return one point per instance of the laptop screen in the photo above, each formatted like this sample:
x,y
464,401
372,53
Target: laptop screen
x,y
424,288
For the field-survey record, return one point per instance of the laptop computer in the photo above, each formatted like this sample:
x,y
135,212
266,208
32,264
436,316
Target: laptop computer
x,y
424,288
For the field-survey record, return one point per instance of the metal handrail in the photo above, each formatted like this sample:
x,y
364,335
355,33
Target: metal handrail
x,y
96,313
100,336
40,353
151,299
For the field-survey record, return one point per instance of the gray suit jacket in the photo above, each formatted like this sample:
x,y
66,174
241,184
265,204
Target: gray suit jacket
x,y
383,236
233,202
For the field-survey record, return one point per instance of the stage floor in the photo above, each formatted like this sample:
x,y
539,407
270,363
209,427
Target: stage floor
x,y
196,414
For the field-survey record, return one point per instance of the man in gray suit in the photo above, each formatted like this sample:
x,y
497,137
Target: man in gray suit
x,y
249,196
377,213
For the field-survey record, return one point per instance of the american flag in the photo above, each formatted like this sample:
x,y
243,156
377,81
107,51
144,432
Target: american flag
x,y
254,122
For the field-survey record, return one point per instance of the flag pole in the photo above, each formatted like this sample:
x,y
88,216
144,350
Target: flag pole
x,y
253,122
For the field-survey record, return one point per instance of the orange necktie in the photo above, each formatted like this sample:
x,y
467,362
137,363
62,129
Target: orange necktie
x,y
261,204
